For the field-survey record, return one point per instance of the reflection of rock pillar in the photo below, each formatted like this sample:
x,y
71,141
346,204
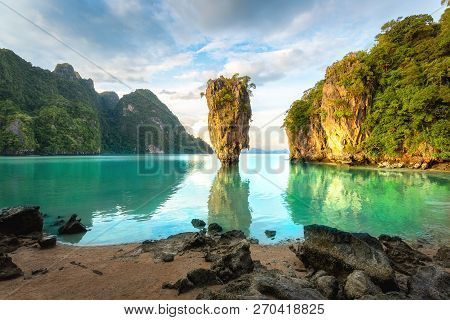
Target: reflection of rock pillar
x,y
229,116
228,201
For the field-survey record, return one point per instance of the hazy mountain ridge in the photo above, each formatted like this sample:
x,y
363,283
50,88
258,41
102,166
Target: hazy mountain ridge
x,y
59,112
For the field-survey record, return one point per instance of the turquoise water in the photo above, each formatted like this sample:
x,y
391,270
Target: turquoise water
x,y
129,198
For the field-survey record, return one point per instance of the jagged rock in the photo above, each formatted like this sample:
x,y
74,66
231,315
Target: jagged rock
x,y
340,253
197,223
66,71
235,263
430,282
442,256
358,284
270,233
404,258
8,269
229,116
21,220
214,227
198,240
265,284
35,272
73,226
47,242
201,277
328,286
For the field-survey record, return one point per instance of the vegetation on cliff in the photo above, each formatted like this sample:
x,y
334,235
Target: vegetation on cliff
x,y
391,102
229,115
43,112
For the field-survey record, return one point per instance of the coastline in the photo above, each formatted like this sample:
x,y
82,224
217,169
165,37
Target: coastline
x,y
137,270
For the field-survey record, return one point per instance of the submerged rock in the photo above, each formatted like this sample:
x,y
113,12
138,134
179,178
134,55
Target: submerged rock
x,y
198,223
340,253
229,116
270,233
8,269
73,226
21,220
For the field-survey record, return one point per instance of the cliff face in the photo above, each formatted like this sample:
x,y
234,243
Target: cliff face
x,y
387,106
344,110
229,116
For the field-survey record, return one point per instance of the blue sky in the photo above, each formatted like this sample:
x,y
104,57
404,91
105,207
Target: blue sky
x,y
173,47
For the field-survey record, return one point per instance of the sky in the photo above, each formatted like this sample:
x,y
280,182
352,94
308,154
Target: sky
x,y
173,47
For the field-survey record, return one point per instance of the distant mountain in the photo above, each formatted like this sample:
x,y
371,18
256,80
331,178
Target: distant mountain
x,y
43,112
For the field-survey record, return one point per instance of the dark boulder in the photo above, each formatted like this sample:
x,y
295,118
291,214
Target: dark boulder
x,y
73,226
442,257
197,223
214,228
270,233
358,284
340,253
328,286
8,243
264,284
404,259
430,282
167,257
236,262
8,269
47,242
202,277
21,220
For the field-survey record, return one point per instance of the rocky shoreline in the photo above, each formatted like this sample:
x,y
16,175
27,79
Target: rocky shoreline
x,y
212,264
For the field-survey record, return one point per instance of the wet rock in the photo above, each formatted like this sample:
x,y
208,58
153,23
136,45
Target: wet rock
x,y
47,242
202,277
358,284
404,258
340,253
328,286
430,282
167,257
270,234
197,223
58,222
73,226
21,220
235,263
8,269
442,256
214,228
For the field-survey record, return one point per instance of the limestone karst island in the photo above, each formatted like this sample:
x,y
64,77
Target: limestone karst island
x,y
225,150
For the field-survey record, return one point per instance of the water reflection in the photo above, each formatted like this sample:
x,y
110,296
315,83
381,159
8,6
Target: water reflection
x,y
368,200
228,201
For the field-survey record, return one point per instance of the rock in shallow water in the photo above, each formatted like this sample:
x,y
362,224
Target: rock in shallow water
x,y
73,226
21,220
442,256
47,242
198,223
340,253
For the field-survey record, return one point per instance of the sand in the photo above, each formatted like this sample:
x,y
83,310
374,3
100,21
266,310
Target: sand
x,y
117,272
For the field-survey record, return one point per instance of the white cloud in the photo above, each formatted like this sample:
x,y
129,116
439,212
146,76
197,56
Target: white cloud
x,y
121,7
